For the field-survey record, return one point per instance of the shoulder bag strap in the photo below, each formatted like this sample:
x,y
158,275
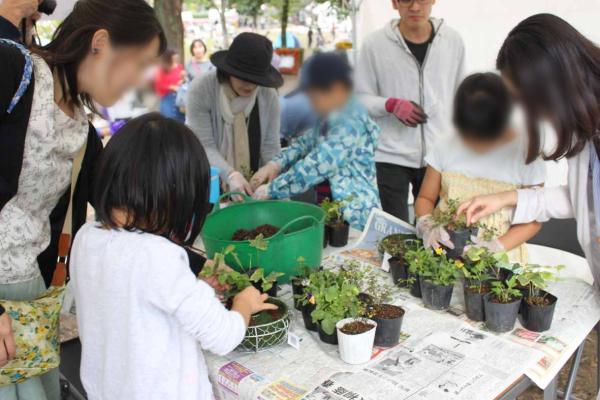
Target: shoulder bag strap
x,y
64,242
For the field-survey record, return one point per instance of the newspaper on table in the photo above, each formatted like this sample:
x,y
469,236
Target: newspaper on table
x,y
441,356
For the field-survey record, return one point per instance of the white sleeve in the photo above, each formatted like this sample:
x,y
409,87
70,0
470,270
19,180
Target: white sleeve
x,y
534,173
433,158
541,204
172,287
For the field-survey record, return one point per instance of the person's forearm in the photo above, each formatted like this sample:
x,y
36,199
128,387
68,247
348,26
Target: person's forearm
x,y
519,234
542,204
423,206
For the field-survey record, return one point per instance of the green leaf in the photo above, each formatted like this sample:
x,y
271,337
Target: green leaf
x,y
328,326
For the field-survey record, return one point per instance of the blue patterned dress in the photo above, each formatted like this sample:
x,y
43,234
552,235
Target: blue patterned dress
x,y
343,155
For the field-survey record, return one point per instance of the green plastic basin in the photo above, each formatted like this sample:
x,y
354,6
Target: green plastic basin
x,y
300,235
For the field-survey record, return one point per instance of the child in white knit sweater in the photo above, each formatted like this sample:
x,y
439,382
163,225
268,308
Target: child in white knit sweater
x,y
143,316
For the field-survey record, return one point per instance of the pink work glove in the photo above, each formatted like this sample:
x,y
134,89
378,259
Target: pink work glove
x,y
408,112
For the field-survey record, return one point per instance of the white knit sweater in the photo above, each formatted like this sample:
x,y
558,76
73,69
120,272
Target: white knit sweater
x,y
144,318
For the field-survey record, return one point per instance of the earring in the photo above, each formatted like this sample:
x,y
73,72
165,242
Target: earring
x,y
94,51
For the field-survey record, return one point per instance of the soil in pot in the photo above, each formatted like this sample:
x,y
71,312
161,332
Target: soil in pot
x,y
500,317
325,338
474,302
399,271
537,312
308,322
297,290
415,285
267,316
338,234
389,324
436,297
266,230
356,327
460,238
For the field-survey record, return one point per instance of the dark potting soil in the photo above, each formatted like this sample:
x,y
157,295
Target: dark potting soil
x,y
538,301
495,300
388,311
243,234
267,316
356,327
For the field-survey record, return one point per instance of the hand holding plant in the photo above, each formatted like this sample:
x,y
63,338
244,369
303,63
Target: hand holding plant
x,y
249,302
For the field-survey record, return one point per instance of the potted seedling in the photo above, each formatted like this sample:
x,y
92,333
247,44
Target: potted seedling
x,y
387,316
356,337
300,281
538,305
265,284
333,304
437,281
502,305
456,226
317,282
478,264
418,260
338,229
395,247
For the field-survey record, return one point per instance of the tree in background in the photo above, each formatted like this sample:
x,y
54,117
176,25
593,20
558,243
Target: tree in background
x,y
169,15
250,8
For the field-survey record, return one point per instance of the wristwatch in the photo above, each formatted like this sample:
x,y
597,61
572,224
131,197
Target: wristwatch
x,y
2,310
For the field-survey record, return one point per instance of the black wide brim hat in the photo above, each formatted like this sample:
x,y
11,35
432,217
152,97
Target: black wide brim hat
x,y
249,58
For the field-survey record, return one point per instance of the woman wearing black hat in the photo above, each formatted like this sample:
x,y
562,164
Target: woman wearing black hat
x,y
234,110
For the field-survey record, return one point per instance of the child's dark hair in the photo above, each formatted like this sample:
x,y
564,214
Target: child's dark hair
x,y
482,107
156,171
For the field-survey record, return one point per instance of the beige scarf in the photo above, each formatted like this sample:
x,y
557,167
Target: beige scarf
x,y
235,111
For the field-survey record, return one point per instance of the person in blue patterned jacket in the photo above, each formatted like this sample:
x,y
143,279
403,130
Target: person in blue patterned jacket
x,y
339,149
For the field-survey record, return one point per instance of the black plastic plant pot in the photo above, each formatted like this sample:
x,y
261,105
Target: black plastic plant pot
x,y
325,236
415,286
538,318
329,339
338,234
308,322
399,271
500,317
460,238
436,297
297,290
388,330
474,304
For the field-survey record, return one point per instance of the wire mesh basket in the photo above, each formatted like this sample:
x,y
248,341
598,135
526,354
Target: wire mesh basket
x,y
265,336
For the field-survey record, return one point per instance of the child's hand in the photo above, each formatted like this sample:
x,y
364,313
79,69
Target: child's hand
x,y
251,301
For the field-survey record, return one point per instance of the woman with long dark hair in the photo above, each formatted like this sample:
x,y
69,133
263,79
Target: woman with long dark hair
x,y
97,54
555,72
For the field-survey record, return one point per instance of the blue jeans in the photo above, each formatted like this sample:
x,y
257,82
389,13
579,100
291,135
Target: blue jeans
x,y
44,387
169,109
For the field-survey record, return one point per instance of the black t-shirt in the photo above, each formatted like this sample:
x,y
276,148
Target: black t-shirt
x,y
419,50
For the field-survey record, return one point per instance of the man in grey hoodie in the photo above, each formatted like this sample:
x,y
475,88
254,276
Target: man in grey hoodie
x,y
406,76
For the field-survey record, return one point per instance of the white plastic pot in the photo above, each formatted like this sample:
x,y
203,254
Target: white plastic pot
x,y
356,349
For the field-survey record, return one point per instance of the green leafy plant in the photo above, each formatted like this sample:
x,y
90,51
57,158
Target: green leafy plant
x,y
537,278
442,271
303,271
506,291
237,281
335,303
447,216
334,214
419,260
378,292
260,244
479,263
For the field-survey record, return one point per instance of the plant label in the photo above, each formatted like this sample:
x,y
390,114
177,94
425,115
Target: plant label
x,y
294,340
